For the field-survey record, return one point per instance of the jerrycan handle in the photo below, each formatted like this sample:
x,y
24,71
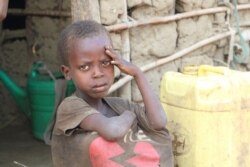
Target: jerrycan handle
x,y
205,70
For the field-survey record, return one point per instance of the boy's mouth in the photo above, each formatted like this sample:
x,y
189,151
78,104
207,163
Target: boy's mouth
x,y
100,87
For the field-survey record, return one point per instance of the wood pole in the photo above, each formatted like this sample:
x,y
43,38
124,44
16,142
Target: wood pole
x,y
126,90
166,19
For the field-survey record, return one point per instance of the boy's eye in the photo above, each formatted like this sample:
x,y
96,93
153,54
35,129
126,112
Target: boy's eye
x,y
106,63
84,67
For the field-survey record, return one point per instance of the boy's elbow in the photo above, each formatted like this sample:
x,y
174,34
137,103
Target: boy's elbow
x,y
160,124
115,133
110,138
158,127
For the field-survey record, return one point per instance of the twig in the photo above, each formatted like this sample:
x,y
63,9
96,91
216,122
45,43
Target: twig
x,y
9,34
125,91
158,20
17,163
38,13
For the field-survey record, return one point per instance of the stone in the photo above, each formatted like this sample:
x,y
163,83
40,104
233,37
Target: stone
x,y
151,42
204,26
158,8
186,33
110,11
196,61
136,3
190,5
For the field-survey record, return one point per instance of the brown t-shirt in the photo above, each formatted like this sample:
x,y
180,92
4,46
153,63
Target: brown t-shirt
x,y
142,146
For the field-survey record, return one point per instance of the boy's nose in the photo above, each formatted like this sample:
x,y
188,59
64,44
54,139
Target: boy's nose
x,y
98,72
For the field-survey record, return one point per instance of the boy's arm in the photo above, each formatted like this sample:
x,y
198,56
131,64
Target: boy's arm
x,y
111,128
154,110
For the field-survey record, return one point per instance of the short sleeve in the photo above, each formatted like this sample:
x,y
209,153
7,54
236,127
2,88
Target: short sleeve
x,y
70,114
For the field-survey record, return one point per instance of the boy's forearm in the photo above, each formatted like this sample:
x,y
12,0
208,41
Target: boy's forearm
x,y
154,110
118,126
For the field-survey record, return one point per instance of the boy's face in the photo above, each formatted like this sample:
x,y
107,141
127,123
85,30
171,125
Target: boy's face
x,y
89,66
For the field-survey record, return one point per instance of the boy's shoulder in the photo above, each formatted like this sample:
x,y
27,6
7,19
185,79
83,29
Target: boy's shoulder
x,y
116,100
71,97
121,103
72,100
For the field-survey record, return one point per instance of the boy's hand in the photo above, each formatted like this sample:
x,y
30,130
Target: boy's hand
x,y
154,111
125,66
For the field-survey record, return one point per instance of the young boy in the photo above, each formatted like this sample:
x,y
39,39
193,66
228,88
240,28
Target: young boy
x,y
92,130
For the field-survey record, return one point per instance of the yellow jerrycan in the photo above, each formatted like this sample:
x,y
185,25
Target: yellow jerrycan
x,y
208,111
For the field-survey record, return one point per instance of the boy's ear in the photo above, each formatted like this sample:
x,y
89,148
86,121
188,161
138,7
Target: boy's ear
x,y
66,72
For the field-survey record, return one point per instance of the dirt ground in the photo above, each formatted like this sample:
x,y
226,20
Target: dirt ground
x,y
18,148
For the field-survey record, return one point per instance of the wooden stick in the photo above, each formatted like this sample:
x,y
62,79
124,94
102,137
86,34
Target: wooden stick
x,y
245,24
125,91
9,34
165,60
25,12
159,20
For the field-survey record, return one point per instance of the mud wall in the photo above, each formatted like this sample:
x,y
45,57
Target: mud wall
x,y
42,32
153,42
146,43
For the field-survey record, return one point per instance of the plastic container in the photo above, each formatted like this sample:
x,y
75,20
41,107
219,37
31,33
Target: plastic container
x,y
209,116
41,90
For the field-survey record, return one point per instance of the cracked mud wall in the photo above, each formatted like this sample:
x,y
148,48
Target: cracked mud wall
x,y
151,43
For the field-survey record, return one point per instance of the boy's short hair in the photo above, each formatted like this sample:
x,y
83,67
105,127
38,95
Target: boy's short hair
x,y
77,30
